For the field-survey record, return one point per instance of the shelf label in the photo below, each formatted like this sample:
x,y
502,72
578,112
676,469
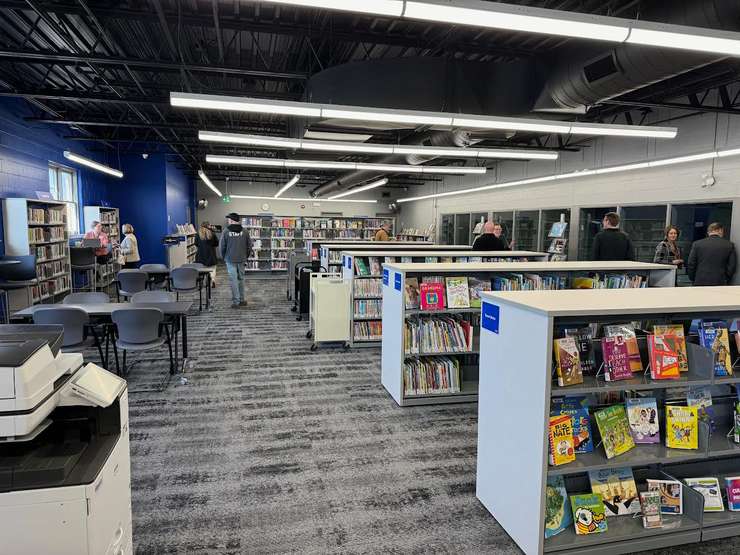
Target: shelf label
x,y
385,277
397,281
349,262
490,317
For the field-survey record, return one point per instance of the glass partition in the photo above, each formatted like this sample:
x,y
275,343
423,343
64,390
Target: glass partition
x,y
550,217
645,226
526,225
590,225
506,219
462,229
447,229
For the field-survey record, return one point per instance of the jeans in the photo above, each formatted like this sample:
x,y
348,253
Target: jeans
x,y
236,277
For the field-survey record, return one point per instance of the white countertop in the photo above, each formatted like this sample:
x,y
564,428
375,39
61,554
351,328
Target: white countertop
x,y
519,267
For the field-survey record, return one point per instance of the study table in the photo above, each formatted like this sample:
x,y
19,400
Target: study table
x,y
204,275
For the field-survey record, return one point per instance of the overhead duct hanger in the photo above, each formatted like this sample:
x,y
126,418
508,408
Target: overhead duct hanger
x,y
527,19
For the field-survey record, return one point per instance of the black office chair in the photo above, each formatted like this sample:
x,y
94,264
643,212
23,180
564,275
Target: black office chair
x,y
82,259
17,276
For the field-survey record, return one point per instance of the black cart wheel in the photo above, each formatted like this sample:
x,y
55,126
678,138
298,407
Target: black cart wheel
x,y
314,346
309,334
293,308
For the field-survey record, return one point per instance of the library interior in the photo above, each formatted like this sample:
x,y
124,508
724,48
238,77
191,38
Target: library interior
x,y
369,276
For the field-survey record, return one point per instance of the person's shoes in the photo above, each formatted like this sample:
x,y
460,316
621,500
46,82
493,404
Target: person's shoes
x,y
234,305
243,303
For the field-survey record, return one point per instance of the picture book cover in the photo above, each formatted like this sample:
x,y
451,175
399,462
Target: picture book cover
x,y
616,358
411,293
676,331
701,398
628,332
476,287
671,495
562,446
617,488
458,294
583,283
558,229
407,259
714,335
568,362
710,490
584,342
682,427
642,414
375,266
650,508
663,357
589,515
557,513
732,484
432,296
615,430
577,409
361,267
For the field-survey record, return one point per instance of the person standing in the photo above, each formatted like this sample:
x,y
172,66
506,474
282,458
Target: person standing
x,y
235,247
207,242
491,239
130,248
384,233
712,261
611,243
96,232
668,251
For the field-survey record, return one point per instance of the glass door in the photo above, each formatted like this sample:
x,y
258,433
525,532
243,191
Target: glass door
x,y
550,217
526,224
590,225
447,230
462,229
645,226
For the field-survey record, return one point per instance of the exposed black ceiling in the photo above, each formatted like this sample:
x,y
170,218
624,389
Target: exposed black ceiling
x,y
105,69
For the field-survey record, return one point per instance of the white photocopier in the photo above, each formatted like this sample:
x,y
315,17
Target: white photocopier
x,y
65,472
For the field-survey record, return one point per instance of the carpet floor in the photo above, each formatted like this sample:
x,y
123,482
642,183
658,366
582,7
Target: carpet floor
x,y
272,448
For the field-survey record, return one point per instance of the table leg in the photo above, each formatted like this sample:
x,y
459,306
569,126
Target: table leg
x,y
184,320
208,290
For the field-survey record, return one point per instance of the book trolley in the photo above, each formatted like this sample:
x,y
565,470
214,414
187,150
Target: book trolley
x,y
395,352
366,290
516,389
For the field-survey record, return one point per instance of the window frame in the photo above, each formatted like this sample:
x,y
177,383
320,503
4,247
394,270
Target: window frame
x,y
73,205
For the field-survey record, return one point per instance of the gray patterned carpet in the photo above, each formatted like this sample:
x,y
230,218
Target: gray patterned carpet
x,y
271,448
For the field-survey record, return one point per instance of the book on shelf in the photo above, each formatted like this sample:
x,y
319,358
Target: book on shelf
x,y
663,357
430,259
447,334
710,490
567,362
671,495
361,268
650,508
628,332
561,443
368,308
432,296
589,514
676,333
367,331
616,358
477,286
701,398
615,430
431,376
584,342
407,259
558,515
642,414
617,488
411,337
682,427
713,335
577,409
411,293
732,485
458,295
368,288
374,266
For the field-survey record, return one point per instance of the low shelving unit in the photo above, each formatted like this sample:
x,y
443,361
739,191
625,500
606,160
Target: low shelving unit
x,y
330,254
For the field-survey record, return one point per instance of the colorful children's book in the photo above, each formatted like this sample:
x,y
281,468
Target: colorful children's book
x,y
583,283
432,296
562,446
709,488
671,495
663,357
589,515
732,483
568,362
714,335
616,359
361,267
682,427
476,287
617,488
676,331
615,430
458,294
584,342
628,332
375,266
650,508
642,414
557,513
577,409
411,293
701,398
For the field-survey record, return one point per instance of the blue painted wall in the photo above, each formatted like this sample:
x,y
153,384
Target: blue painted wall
x,y
180,196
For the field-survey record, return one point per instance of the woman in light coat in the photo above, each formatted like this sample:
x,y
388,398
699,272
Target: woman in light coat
x,y
130,248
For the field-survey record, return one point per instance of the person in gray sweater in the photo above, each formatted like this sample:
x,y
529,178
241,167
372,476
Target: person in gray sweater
x,y
235,247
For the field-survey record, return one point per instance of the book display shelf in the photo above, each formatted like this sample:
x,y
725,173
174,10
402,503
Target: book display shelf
x,y
517,385
363,271
110,219
330,254
39,227
451,334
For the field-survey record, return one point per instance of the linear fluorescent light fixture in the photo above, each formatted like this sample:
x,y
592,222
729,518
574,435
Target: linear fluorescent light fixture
x,y
601,171
288,185
368,201
321,165
526,19
92,164
367,187
211,186
413,117
370,148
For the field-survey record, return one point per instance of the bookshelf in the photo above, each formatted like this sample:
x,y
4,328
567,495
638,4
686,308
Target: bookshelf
x,y
518,387
330,254
395,314
184,249
39,227
110,219
366,329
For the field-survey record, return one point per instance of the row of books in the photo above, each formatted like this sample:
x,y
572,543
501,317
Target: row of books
x,y
185,229
277,265
368,331
254,234
282,243
369,267
252,222
286,222
45,289
529,282
447,334
50,251
46,234
368,308
436,292
431,376
284,233
108,217
610,281
46,216
47,270
368,288
280,255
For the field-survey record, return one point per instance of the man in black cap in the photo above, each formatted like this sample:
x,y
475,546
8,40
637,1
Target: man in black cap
x,y
235,247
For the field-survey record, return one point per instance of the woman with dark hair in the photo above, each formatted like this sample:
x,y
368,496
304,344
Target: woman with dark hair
x,y
668,251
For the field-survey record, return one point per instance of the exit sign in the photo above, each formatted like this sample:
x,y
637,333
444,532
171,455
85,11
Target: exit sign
x,y
226,199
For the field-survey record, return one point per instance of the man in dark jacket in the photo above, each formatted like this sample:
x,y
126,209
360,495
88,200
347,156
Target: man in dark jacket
x,y
610,243
490,239
712,261
235,247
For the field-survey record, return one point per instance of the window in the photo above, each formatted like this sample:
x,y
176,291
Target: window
x,y
63,187
525,230
646,227
447,229
462,229
590,225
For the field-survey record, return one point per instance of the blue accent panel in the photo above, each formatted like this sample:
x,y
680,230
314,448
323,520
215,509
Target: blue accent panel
x,y
386,277
397,281
490,317
180,197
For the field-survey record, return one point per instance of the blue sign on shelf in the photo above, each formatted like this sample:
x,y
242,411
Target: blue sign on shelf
x,y
490,317
385,277
349,262
397,281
